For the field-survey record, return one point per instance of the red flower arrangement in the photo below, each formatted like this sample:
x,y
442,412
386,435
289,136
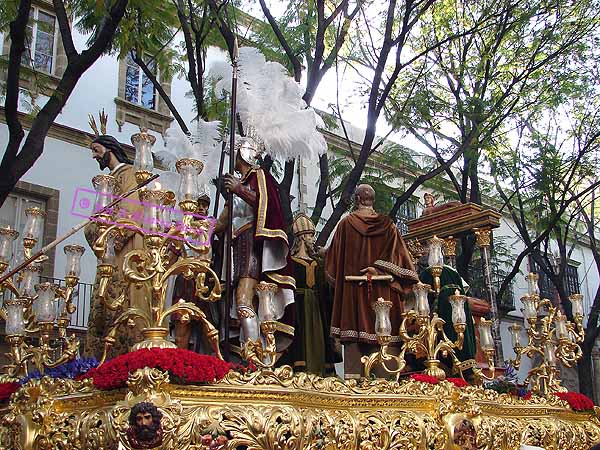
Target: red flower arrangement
x,y
7,389
577,401
458,382
184,366
424,378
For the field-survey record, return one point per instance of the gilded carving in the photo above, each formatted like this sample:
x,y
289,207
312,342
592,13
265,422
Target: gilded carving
x,y
277,409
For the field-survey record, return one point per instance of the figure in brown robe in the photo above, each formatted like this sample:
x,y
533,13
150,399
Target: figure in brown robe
x,y
366,242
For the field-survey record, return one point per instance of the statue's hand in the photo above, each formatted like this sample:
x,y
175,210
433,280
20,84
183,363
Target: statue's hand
x,y
321,251
370,270
231,183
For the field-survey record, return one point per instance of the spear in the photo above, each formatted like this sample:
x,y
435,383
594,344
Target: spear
x,y
229,231
74,230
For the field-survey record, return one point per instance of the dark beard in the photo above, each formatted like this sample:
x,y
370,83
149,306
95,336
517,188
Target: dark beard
x,y
103,162
146,433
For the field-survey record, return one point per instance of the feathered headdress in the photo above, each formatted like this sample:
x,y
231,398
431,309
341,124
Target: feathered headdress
x,y
270,101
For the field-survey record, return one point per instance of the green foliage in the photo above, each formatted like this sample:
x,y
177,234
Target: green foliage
x,y
147,28
524,58
299,26
381,173
8,11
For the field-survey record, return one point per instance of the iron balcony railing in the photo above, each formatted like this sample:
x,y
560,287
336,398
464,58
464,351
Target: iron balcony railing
x,y
82,297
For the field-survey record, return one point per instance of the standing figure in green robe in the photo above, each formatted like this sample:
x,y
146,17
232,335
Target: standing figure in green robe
x,y
450,282
313,350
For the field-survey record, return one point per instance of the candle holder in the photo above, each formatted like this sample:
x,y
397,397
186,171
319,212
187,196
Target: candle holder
x,y
37,310
151,267
435,261
429,337
32,231
189,189
551,337
143,162
262,351
488,348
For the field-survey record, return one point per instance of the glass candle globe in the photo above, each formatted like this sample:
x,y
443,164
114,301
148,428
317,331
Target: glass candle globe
x,y
30,278
169,203
109,256
105,187
436,257
421,291
457,301
550,353
15,322
7,237
515,334
577,304
153,215
188,169
73,266
45,308
486,342
266,293
561,326
529,307
383,324
143,143
33,224
532,284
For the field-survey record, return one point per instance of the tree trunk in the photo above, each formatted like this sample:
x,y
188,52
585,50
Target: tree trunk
x,y
321,199
585,369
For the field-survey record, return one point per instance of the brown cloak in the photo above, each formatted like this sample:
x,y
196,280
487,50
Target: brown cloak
x,y
360,242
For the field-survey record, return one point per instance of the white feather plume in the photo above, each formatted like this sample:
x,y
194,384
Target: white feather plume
x,y
204,144
270,101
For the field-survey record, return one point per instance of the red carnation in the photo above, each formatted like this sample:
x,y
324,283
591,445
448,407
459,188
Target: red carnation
x,y
186,365
458,382
577,401
424,378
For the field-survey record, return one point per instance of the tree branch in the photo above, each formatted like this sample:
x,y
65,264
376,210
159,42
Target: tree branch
x,y
161,91
65,29
291,55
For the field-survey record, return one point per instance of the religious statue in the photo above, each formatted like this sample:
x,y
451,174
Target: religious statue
x,y
107,151
260,243
431,208
366,243
145,428
313,350
185,289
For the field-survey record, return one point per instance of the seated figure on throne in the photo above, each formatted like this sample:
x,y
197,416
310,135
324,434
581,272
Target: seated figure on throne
x,y
366,243
260,243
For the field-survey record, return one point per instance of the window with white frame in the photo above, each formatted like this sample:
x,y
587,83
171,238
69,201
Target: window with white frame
x,y
41,41
138,87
